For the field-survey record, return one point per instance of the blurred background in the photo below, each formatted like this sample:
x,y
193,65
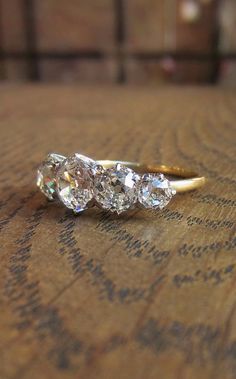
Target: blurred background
x,y
118,41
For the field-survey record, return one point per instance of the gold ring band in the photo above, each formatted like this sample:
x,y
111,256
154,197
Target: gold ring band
x,y
80,182
190,179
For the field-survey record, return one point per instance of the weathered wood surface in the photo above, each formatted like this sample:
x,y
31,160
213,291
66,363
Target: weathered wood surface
x,y
147,295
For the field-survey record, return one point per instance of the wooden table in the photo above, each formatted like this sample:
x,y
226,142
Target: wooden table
x,y
147,295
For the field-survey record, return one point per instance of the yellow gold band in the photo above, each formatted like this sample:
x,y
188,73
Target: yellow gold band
x,y
190,179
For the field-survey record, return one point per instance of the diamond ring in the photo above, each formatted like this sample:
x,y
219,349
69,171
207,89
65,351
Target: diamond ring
x,y
80,182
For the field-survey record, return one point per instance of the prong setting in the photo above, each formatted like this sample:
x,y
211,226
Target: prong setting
x,y
155,191
116,188
74,181
81,182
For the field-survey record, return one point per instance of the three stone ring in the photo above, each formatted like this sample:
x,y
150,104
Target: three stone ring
x,y
80,182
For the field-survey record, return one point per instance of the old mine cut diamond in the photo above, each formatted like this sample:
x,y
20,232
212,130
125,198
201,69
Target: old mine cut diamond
x,y
46,175
116,188
75,182
155,191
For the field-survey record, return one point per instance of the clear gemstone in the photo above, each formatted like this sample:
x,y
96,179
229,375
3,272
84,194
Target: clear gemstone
x,y
155,191
46,173
116,188
75,182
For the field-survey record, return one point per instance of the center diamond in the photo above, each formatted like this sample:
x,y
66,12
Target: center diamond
x,y
116,188
75,182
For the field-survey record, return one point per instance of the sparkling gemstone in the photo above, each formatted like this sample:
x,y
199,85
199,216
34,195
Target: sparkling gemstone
x,y
155,191
75,182
46,175
116,188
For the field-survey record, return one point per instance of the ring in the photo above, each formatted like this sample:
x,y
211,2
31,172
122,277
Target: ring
x,y
80,182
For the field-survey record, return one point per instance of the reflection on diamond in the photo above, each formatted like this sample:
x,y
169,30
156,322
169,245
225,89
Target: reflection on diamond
x,y
116,188
75,182
46,175
155,191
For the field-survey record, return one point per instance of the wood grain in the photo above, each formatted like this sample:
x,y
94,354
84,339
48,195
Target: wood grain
x,y
146,295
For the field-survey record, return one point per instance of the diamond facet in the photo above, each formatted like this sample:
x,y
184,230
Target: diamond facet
x,y
75,182
155,191
46,175
116,188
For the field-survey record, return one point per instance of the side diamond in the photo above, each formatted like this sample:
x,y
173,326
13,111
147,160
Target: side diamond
x,y
116,188
155,191
46,173
75,182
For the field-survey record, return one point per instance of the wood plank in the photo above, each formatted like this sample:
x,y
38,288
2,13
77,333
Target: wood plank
x,y
13,39
74,25
198,35
144,295
145,25
227,21
157,25
12,26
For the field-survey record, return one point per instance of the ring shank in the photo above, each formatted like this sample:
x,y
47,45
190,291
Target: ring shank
x,y
190,180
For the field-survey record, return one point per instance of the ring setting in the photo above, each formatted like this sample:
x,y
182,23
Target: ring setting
x,y
80,182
